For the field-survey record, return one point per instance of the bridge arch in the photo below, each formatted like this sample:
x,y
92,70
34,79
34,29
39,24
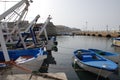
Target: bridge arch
x,y
84,34
100,35
118,36
108,35
93,34
88,34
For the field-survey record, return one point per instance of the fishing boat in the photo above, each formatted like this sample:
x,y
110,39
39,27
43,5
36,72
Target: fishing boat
x,y
94,63
21,54
28,60
116,41
109,55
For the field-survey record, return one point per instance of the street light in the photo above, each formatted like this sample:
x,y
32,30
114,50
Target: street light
x,y
86,25
119,28
107,28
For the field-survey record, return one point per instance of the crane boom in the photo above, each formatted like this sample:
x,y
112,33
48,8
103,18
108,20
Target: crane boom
x,y
6,13
32,22
44,28
2,16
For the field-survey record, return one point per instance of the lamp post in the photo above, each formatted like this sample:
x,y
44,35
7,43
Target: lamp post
x,y
93,29
107,28
119,28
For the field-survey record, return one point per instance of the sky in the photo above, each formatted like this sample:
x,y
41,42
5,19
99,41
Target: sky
x,y
82,14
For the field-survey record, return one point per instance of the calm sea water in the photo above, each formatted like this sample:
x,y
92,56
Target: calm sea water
x,y
61,61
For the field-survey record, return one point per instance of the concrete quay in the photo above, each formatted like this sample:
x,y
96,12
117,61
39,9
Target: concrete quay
x,y
38,76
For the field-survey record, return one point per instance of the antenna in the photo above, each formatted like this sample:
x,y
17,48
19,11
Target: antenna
x,y
86,25
119,27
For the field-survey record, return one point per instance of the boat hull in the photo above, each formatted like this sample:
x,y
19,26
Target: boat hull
x,y
98,71
116,42
28,61
15,54
33,65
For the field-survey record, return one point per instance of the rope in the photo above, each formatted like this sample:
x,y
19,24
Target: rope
x,y
9,1
12,63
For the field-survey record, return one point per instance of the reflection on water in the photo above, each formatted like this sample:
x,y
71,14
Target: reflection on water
x,y
86,42
49,60
85,75
116,49
66,46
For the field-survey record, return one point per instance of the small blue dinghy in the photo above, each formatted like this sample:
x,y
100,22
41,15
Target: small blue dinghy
x,y
94,63
109,55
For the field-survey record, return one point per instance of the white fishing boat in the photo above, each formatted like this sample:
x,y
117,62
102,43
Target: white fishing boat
x,y
116,41
27,63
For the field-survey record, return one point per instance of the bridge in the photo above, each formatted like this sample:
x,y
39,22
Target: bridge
x,y
99,33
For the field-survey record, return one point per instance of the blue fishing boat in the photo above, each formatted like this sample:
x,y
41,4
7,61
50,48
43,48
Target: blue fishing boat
x,y
109,55
15,46
15,54
24,58
94,63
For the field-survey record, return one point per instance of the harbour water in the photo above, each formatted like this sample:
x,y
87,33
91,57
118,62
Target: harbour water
x,y
61,61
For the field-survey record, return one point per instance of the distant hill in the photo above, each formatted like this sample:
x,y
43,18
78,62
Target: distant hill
x,y
61,29
51,28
